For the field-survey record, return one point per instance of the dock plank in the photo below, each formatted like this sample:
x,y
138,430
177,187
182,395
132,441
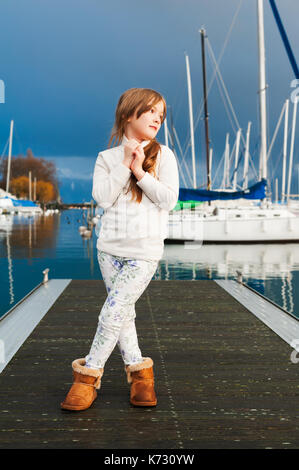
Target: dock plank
x,y
223,378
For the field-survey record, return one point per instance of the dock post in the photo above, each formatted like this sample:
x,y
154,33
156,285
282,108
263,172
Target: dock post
x,y
45,273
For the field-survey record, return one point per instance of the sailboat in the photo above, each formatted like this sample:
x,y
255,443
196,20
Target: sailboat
x,y
10,204
223,220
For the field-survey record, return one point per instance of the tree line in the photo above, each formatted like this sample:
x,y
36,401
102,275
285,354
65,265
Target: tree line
x,y
46,188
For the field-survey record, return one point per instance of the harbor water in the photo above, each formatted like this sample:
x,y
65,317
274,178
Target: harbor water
x,y
30,244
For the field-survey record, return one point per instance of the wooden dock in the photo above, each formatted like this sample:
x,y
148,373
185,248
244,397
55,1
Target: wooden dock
x,y
224,380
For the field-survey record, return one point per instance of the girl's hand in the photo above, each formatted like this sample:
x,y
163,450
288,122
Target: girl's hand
x,y
128,151
138,159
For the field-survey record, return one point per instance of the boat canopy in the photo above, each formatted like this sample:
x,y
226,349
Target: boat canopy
x,y
182,205
257,191
18,202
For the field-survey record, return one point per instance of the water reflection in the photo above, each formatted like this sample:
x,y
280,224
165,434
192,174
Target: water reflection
x,y
29,244
20,237
10,276
29,234
271,269
261,261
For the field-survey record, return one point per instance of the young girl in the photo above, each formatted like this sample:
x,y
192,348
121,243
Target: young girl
x,y
137,184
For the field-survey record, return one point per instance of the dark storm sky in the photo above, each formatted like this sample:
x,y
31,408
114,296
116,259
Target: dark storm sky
x,y
65,63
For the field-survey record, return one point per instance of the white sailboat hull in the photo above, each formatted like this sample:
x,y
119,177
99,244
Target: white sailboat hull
x,y
234,226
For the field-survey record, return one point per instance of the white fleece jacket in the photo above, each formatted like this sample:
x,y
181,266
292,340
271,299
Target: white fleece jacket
x,y
127,228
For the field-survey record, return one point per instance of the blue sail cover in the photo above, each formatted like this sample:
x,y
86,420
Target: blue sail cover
x,y
21,202
257,191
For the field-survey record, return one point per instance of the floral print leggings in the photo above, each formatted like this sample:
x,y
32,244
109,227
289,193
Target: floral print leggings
x,y
125,280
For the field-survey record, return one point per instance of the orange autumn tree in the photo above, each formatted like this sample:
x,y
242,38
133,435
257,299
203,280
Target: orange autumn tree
x,y
20,186
43,170
45,190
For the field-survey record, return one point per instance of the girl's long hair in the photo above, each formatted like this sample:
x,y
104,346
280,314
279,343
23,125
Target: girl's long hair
x,y
140,100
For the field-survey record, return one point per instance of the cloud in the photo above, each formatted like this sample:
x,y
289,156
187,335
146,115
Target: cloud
x,y
74,167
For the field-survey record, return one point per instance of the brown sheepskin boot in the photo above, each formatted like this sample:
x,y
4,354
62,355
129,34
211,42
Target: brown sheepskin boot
x,y
141,378
82,393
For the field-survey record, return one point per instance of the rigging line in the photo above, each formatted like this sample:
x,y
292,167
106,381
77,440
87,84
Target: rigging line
x,y
200,115
217,170
284,38
243,158
251,160
228,114
180,170
223,180
183,159
274,169
225,104
240,159
229,164
219,60
228,99
280,154
179,164
217,63
220,56
252,163
18,139
176,107
275,132
230,160
5,147
224,87
180,88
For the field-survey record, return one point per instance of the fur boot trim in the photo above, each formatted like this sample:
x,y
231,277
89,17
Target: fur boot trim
x,y
147,362
78,365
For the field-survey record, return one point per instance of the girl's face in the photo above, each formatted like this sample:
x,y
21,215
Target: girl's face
x,y
147,125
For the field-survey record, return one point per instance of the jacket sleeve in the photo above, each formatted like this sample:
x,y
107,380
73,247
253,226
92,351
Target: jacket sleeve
x,y
107,184
164,192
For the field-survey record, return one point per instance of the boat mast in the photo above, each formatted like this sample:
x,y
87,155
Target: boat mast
x,y
210,161
191,121
292,148
245,172
202,32
9,156
226,162
166,132
285,142
262,91
171,129
236,159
